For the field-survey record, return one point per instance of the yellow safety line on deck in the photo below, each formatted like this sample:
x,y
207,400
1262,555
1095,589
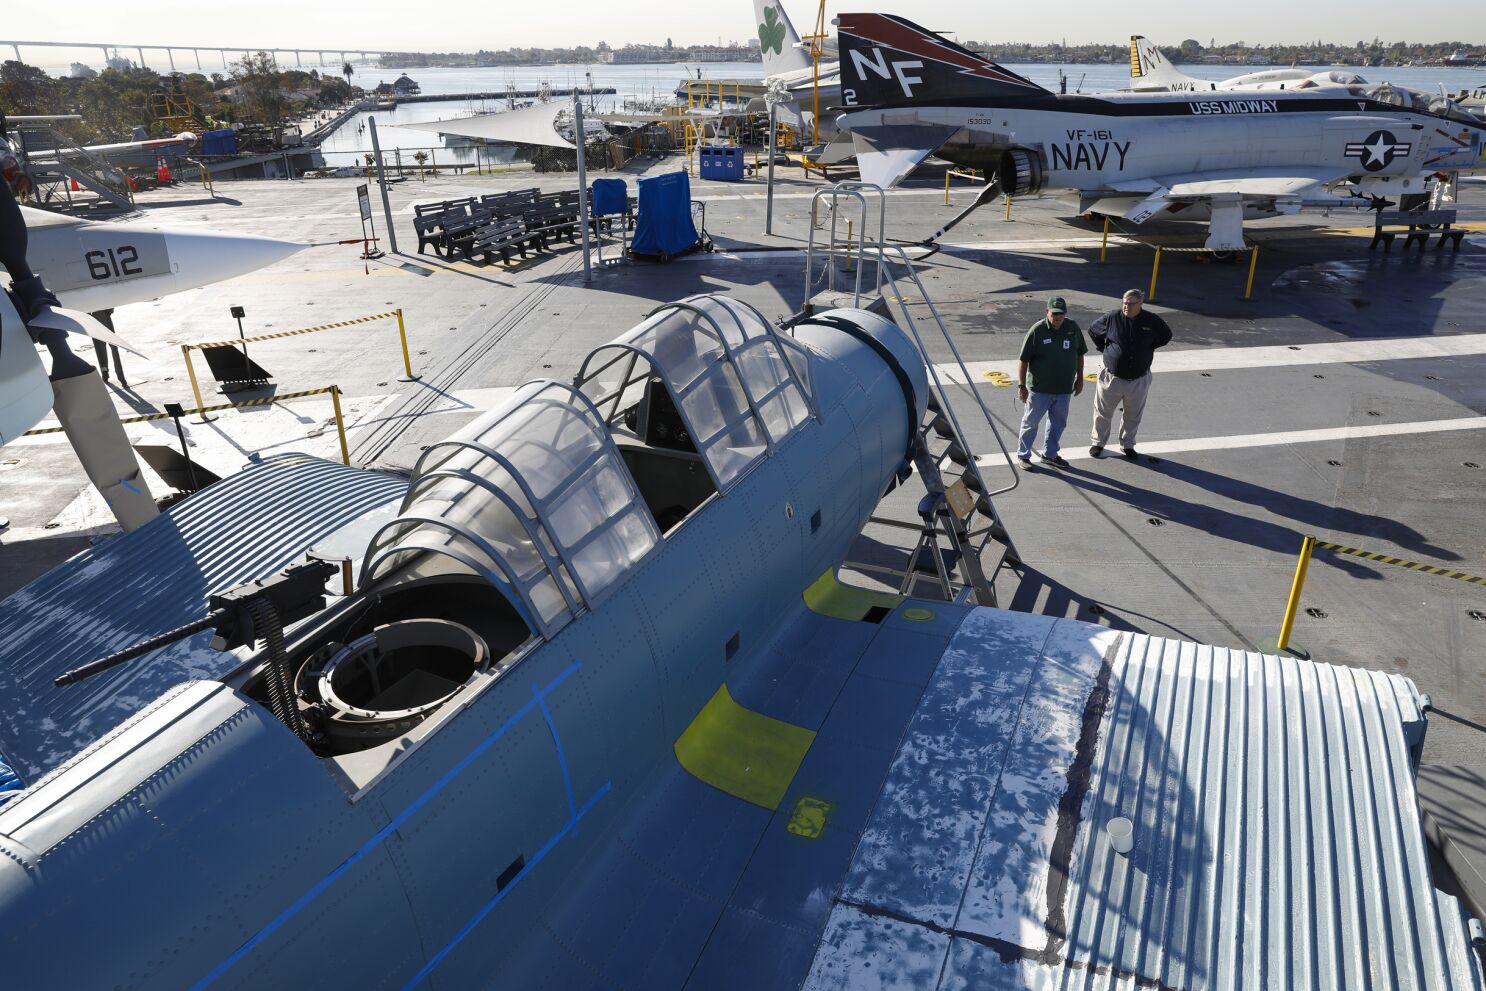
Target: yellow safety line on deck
x,y
828,597
1428,569
747,754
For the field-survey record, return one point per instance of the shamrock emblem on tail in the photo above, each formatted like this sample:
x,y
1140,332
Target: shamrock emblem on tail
x,y
771,32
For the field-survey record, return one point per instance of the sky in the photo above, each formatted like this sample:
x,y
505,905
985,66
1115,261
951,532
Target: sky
x,y
463,25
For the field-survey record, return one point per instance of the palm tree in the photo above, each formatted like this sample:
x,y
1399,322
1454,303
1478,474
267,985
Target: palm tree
x,y
347,71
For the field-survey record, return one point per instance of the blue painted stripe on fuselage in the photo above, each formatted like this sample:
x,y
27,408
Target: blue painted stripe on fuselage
x,y
570,826
562,760
376,840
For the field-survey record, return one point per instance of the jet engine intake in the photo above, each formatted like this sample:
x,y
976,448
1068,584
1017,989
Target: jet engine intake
x,y
1020,172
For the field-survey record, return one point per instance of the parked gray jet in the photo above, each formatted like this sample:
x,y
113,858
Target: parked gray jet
x,y
1222,156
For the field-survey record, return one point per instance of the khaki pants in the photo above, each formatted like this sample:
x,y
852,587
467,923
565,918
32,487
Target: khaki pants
x,y
1111,393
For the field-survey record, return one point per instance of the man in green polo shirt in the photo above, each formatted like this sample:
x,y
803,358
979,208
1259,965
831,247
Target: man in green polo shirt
x,y
1049,373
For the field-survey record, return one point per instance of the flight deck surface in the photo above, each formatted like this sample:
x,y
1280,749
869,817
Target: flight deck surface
x,y
1346,400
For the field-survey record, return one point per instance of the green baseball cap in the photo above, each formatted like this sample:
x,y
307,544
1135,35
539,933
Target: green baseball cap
x,y
1057,305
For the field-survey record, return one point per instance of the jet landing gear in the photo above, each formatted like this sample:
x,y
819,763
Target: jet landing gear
x,y
1225,229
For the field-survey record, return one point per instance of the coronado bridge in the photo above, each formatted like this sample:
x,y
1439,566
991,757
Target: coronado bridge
x,y
328,56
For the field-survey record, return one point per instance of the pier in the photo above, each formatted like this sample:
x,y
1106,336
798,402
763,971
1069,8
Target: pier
x,y
510,94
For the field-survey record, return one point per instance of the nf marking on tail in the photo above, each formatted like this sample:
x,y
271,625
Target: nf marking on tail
x,y
878,64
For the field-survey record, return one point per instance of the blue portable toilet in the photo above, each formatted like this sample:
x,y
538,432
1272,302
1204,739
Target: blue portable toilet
x,y
664,227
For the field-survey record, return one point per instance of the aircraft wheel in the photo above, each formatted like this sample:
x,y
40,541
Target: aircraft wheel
x,y
1222,257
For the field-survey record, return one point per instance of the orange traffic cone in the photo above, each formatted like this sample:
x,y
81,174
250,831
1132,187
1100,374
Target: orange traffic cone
x,y
162,171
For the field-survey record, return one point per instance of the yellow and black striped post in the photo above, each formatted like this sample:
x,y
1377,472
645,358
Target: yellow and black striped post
x,y
402,336
1310,544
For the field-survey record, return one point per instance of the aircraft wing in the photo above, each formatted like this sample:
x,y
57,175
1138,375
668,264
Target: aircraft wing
x,y
891,143
921,800
1250,184
1140,199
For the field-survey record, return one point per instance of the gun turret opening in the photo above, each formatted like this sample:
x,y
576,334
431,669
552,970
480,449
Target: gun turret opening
x,y
384,683
1020,172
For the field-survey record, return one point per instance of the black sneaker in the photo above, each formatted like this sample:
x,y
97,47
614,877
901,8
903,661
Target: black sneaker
x,y
1129,452
1056,461
1096,450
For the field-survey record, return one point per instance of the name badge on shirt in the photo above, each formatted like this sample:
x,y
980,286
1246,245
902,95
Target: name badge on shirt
x,y
1065,345
1047,340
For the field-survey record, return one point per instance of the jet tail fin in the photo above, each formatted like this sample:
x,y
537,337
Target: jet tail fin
x,y
1149,70
779,43
887,61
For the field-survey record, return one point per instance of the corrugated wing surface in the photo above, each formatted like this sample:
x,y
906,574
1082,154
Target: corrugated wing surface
x,y
1277,835
139,584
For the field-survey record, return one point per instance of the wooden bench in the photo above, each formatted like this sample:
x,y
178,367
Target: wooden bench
x,y
1417,226
502,238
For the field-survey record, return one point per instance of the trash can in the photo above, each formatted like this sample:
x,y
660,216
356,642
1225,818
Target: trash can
x,y
721,162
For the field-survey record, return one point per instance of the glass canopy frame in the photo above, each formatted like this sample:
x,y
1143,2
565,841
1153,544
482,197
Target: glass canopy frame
x,y
534,498
740,387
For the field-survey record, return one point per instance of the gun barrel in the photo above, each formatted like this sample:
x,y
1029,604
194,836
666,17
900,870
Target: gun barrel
x,y
77,674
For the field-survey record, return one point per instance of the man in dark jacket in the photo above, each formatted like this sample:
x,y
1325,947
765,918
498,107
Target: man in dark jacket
x,y
1128,338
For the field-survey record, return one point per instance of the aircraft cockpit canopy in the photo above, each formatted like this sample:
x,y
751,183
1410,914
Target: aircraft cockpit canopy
x,y
533,498
707,376
1413,99
1333,78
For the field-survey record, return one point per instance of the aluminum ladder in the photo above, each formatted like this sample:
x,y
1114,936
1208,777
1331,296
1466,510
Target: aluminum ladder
x,y
957,526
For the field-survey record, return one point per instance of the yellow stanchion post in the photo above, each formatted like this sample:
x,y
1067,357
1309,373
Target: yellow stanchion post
x,y
1155,268
1008,208
946,189
848,245
1306,546
1104,247
1248,290
195,386
340,423
402,335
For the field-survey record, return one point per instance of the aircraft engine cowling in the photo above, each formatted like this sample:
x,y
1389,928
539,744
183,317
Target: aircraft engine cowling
x,y
1020,172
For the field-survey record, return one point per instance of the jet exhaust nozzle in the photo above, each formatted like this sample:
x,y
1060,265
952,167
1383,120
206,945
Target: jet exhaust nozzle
x,y
1020,172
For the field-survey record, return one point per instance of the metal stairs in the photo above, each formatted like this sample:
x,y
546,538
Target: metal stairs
x,y
69,178
958,543
177,113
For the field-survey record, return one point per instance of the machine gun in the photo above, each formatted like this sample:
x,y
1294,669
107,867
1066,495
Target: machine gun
x,y
242,616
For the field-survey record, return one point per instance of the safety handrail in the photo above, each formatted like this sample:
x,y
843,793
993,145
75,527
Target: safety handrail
x,y
859,192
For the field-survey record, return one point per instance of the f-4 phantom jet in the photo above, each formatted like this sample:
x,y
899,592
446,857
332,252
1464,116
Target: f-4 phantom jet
x,y
1151,71
1221,156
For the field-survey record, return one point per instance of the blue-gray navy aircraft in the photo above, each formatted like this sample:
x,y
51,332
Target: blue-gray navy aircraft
x,y
1220,155
598,714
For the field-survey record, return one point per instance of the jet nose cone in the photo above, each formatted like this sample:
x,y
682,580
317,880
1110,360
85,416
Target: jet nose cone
x,y
200,259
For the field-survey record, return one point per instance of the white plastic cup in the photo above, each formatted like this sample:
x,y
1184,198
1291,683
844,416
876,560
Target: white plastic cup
x,y
1121,834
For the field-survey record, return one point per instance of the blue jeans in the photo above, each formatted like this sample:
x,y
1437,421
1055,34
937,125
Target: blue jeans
x,y
1040,404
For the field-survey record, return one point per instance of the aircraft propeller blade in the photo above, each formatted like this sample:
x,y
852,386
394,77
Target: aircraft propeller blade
x,y
78,322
